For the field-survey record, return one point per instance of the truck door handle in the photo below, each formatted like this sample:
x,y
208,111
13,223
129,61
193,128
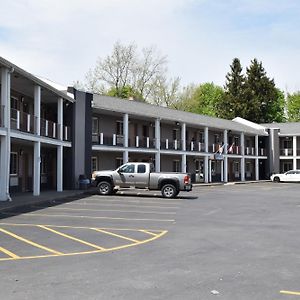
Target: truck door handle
x,y
131,176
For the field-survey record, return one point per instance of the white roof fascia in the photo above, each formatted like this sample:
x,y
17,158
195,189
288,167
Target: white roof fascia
x,y
249,123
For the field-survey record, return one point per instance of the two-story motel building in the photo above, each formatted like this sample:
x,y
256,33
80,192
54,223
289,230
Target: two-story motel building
x,y
51,136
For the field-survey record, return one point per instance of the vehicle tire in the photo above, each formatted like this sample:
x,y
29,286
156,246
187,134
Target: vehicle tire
x,y
276,179
104,188
169,191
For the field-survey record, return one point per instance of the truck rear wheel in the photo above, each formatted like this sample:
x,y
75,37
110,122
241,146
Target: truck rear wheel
x,y
104,188
169,191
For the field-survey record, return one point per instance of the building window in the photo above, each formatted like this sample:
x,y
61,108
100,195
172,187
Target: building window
x,y
236,141
287,166
95,126
288,143
248,167
94,163
236,167
119,162
175,134
176,166
119,128
14,163
44,165
14,103
201,137
217,138
145,131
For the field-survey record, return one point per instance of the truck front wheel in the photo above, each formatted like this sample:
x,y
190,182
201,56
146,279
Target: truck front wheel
x,y
169,191
104,188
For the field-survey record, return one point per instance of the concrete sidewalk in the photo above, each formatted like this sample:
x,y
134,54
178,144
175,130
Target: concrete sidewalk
x,y
26,199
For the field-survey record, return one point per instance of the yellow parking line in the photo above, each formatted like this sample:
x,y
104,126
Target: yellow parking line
x,y
117,235
9,253
78,227
30,242
290,293
146,231
89,217
72,237
162,232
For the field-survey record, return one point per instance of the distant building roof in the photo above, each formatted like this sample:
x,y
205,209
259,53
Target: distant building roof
x,y
148,110
289,128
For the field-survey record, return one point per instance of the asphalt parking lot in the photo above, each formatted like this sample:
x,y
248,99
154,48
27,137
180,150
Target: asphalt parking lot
x,y
223,242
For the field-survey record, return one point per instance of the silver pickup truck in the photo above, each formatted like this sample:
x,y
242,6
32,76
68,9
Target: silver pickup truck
x,y
140,175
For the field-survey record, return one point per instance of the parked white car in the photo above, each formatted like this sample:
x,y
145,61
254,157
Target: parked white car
x,y
290,176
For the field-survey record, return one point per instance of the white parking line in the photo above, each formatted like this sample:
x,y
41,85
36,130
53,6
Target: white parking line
x,y
107,210
88,217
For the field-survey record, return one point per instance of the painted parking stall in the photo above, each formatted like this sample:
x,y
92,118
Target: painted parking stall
x,y
86,226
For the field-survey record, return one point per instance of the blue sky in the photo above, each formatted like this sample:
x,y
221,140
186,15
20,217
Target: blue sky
x,y
61,40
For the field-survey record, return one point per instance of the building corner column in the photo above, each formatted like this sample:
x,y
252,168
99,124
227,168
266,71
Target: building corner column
x,y
59,156
5,139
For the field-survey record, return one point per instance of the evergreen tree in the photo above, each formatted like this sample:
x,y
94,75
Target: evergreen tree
x,y
264,100
232,103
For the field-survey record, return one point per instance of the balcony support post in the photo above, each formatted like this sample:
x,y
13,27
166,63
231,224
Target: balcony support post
x,y
243,156
37,168
157,145
59,184
60,119
125,130
294,152
225,178
37,108
256,159
183,136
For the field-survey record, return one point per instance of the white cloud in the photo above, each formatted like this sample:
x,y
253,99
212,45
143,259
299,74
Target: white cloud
x,y
61,40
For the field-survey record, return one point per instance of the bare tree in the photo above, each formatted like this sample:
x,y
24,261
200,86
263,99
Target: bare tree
x,y
125,68
165,91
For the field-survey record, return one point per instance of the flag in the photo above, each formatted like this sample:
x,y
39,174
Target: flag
x,y
221,149
230,149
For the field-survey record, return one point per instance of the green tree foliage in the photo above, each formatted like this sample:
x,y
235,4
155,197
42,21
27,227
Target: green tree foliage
x,y
253,97
200,99
126,92
265,101
233,104
293,107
